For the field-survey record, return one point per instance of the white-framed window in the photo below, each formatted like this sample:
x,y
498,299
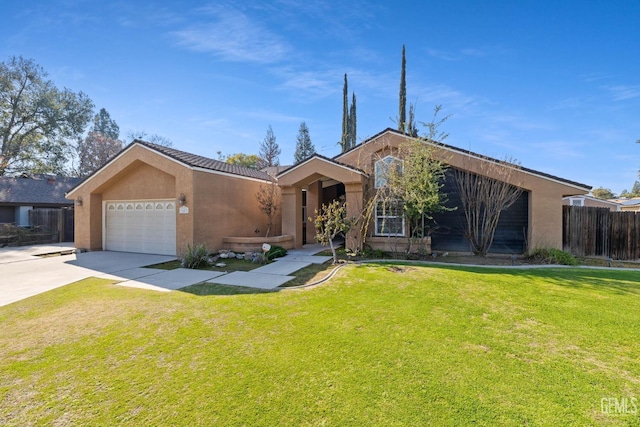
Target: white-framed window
x,y
382,168
389,218
578,201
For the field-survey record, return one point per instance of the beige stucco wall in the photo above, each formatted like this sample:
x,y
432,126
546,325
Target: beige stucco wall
x,y
219,205
226,206
545,194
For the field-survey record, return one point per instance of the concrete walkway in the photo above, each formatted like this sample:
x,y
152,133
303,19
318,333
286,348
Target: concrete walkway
x,y
24,272
278,272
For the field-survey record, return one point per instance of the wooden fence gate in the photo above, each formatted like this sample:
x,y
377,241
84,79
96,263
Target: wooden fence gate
x,y
589,231
54,221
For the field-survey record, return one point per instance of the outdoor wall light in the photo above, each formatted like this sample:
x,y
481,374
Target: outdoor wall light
x,y
79,201
182,199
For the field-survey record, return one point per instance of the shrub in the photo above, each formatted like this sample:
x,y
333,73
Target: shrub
x,y
195,256
373,253
276,252
553,256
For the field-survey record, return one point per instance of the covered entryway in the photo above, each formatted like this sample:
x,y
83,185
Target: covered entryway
x,y
318,180
143,226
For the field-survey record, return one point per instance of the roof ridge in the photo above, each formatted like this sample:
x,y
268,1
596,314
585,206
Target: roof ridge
x,y
196,160
470,153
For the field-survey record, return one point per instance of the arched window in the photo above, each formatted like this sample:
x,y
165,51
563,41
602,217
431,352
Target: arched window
x,y
384,167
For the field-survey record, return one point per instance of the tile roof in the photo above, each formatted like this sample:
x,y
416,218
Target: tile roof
x,y
36,190
320,156
196,161
471,153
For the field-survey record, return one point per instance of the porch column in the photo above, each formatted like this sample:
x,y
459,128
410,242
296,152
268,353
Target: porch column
x,y
354,200
292,213
314,200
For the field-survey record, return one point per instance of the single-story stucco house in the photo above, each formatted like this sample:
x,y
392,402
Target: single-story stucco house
x,y
155,199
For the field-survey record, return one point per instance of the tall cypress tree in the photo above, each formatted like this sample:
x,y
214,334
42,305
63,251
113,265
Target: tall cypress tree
x,y
344,142
412,129
402,113
352,122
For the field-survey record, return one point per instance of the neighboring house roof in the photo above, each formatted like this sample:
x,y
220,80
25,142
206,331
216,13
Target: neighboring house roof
x,y
326,159
595,199
627,202
471,153
36,189
190,160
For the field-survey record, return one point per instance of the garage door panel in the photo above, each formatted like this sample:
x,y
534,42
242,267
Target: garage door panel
x,y
145,226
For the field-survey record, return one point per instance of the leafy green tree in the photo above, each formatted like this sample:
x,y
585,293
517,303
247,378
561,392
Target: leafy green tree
x,y
252,161
105,125
269,151
402,111
304,146
418,185
635,191
603,193
330,221
38,122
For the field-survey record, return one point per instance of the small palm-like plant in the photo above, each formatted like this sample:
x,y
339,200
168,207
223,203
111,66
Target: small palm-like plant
x,y
195,256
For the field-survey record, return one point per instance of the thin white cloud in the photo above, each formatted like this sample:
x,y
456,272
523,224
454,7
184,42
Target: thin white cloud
x,y
623,92
441,54
450,98
272,116
233,36
569,104
318,83
559,149
461,54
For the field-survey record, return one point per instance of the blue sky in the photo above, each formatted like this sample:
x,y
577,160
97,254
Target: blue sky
x,y
554,84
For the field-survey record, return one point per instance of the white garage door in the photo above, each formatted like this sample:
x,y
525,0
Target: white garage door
x,y
144,226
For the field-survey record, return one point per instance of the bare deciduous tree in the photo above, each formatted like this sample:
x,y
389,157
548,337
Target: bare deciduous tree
x,y
94,151
268,197
483,199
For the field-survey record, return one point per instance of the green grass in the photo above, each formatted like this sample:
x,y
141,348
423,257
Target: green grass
x,y
377,345
232,264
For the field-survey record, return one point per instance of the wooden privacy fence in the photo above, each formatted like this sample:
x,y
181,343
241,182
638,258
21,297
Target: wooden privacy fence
x,y
589,231
57,222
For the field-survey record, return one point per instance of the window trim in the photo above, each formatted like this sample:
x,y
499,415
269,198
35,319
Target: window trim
x,y
377,172
377,231
573,200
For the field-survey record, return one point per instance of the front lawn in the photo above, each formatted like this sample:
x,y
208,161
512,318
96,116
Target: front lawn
x,y
384,344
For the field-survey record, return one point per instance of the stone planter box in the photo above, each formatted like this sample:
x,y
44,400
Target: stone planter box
x,y
398,244
254,244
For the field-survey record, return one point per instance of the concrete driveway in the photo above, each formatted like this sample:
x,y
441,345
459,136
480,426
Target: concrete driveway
x,y
23,273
